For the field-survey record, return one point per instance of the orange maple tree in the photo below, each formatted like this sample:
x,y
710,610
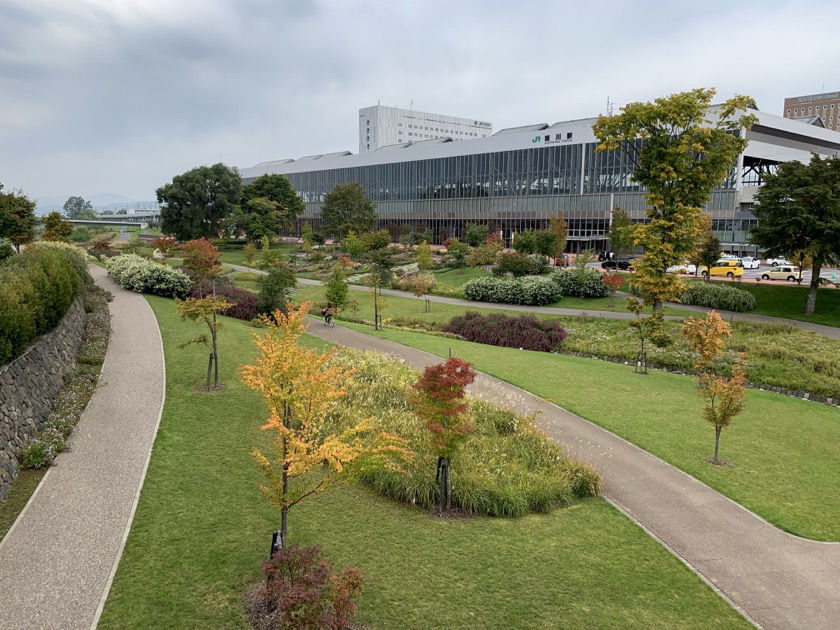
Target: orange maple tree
x,y
724,397
300,387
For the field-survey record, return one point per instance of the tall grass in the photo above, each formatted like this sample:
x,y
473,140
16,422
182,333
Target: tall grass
x,y
506,468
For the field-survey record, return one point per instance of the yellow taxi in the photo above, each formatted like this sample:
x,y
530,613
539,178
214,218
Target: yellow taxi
x,y
729,268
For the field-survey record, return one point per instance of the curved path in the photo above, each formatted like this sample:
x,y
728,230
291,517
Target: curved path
x,y
57,561
777,580
827,331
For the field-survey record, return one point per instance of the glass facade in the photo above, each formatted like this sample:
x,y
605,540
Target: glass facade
x,y
510,191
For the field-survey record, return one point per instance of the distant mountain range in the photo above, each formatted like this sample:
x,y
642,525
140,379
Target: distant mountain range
x,y
100,202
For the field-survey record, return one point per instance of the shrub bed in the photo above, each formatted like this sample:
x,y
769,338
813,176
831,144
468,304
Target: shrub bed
x,y
718,295
244,301
525,332
141,275
36,289
529,291
518,264
506,468
588,284
51,437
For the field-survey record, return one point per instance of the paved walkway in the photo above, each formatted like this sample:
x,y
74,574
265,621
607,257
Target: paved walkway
x,y
57,561
778,580
827,331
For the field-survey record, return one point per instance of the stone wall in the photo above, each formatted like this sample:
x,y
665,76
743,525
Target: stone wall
x,y
30,384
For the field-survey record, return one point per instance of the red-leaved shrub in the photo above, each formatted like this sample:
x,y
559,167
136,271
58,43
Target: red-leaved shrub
x,y
244,301
526,331
301,592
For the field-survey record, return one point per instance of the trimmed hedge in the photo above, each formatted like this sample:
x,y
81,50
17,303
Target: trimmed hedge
x,y
37,288
142,275
525,332
718,295
529,291
589,284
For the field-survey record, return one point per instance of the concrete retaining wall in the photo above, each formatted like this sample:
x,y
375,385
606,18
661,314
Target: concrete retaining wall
x,y
30,384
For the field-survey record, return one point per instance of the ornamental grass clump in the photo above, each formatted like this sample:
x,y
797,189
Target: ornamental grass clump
x,y
525,331
507,467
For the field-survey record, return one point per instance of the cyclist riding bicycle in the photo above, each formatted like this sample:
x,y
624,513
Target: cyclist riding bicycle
x,y
328,314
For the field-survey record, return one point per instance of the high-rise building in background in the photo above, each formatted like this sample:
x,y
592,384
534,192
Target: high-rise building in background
x,y
381,126
824,106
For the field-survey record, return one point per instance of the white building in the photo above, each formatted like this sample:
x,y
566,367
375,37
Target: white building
x,y
381,126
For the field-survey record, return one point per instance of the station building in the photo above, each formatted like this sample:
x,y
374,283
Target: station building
x,y
517,178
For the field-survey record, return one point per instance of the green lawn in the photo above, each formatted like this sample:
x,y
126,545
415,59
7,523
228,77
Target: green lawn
x,y
12,504
783,450
201,529
778,300
457,277
234,254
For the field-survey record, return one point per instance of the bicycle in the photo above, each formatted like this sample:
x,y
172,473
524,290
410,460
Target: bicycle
x,y
329,321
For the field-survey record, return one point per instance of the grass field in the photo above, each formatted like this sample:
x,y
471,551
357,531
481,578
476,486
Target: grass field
x,y
789,302
18,495
201,529
783,451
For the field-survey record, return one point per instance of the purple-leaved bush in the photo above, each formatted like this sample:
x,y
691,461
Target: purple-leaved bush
x,y
525,331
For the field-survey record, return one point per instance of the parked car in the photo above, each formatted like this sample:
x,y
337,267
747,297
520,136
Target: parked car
x,y
686,267
750,263
728,268
779,260
791,273
618,263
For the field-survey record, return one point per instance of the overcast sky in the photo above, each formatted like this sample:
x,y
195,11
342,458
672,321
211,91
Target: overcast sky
x,y
119,96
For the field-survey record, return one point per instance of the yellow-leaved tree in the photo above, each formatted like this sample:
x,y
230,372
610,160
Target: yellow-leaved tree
x,y
300,389
724,397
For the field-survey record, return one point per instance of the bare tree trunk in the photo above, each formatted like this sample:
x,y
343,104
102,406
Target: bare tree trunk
x,y
284,511
657,305
215,352
717,442
209,370
812,289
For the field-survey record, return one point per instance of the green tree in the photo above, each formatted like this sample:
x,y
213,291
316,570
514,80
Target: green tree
x,y
475,234
204,310
525,242
336,290
56,228
197,203
17,217
348,208
75,206
269,204
798,212
646,327
545,242
621,233
424,256
373,241
456,253
88,213
558,225
681,149
275,289
708,252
